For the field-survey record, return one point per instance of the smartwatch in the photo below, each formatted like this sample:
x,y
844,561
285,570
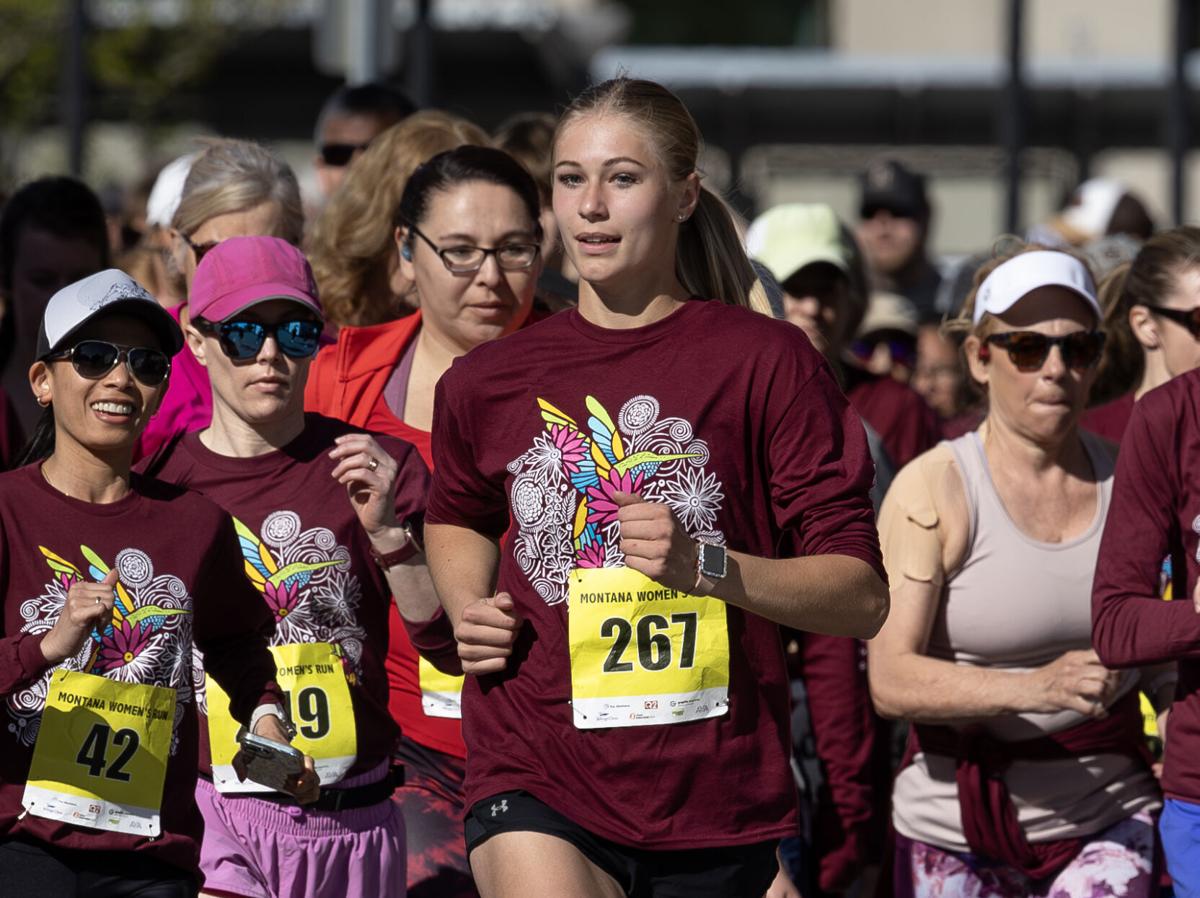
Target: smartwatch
x,y
712,563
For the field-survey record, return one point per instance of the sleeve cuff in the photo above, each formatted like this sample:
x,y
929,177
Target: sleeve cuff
x,y
434,634
29,652
263,710
434,639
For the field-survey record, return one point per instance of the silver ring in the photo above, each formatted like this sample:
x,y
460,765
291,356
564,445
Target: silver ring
x,y
97,600
372,463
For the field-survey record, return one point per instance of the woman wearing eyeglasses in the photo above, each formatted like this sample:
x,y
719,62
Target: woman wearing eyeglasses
x,y
1152,318
467,232
328,518
234,188
1026,772
112,583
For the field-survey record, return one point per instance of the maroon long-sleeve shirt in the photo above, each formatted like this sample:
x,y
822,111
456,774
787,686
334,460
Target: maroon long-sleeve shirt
x,y
742,431
1155,513
172,550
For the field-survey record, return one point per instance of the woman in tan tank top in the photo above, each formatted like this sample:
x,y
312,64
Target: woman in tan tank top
x,y
1025,771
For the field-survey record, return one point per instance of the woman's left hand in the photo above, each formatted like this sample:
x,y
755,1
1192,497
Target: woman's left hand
x,y
305,786
655,543
369,474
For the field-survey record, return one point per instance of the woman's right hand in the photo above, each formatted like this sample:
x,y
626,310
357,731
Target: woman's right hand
x,y
88,606
486,634
1075,681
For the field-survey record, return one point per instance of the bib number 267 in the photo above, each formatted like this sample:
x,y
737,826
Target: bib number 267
x,y
653,646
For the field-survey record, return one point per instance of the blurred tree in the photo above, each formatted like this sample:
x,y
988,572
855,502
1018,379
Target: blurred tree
x,y
141,55
142,64
30,46
802,23
138,56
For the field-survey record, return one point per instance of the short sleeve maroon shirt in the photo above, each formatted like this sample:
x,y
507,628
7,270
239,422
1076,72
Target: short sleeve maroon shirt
x,y
768,454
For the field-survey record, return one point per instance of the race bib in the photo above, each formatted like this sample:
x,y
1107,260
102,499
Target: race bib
x,y
101,753
643,654
313,682
441,693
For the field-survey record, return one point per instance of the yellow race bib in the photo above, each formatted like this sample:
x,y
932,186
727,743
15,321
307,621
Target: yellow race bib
x,y
313,680
441,694
643,654
101,754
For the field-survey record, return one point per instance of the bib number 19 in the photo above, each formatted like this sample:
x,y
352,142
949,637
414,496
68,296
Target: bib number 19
x,y
654,648
311,710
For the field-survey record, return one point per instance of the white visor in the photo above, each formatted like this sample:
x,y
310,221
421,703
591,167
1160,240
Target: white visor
x,y
1020,275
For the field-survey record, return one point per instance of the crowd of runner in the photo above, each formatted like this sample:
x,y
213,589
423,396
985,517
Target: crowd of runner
x,y
585,539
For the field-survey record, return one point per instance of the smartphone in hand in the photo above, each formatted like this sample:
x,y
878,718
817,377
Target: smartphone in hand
x,y
268,762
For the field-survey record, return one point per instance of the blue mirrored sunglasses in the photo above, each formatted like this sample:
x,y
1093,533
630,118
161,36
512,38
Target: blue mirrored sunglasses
x,y
298,338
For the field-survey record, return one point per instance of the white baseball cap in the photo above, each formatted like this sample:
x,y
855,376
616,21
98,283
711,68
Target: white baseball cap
x,y
1024,273
167,191
76,304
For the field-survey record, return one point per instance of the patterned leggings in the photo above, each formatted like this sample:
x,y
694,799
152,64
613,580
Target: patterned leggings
x,y
431,800
1117,863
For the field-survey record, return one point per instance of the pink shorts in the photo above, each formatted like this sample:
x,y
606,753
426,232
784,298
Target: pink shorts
x,y
260,849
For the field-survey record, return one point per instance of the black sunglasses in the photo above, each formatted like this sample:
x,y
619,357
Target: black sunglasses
x,y
200,249
298,338
95,358
1028,350
340,154
1189,319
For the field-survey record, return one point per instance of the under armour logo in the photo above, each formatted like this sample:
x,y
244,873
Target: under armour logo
x,y
501,808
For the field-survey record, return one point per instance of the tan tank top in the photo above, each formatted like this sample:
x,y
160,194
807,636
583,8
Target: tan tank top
x,y
1017,603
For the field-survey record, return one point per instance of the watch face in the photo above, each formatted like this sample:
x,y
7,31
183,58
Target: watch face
x,y
712,561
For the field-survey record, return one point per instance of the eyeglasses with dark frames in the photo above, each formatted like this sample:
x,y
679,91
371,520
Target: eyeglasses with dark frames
x,y
467,259
200,249
1189,318
1028,350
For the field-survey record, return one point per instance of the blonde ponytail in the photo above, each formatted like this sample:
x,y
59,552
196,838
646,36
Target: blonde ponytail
x,y
710,260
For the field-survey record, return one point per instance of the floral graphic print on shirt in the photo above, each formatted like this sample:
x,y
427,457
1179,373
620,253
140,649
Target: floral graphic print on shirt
x,y
148,640
306,579
562,492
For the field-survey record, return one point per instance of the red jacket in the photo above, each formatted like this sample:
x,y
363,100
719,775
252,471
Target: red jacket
x,y
347,379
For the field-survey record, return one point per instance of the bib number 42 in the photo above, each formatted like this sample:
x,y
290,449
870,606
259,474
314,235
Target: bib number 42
x,y
653,645
93,754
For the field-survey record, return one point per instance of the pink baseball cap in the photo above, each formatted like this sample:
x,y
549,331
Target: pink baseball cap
x,y
243,271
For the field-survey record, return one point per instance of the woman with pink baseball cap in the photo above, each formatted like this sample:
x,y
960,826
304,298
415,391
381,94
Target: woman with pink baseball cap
x,y
1027,770
328,518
